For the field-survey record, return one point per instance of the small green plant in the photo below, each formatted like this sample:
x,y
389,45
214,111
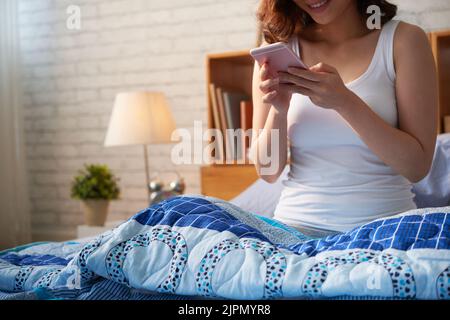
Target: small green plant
x,y
95,182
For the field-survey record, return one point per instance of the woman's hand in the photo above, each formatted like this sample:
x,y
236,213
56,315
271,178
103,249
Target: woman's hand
x,y
321,83
278,97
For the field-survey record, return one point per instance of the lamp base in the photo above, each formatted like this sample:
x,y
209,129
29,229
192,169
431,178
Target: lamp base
x,y
156,197
158,193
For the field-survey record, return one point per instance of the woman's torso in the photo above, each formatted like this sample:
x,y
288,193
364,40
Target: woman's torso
x,y
335,181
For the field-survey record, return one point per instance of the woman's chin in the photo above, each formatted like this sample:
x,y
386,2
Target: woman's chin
x,y
323,20
327,13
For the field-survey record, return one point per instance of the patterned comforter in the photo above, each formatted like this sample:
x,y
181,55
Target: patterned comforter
x,y
205,247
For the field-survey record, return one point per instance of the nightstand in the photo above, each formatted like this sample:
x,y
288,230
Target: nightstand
x,y
85,231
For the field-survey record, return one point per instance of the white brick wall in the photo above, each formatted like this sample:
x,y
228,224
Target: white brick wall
x,y
71,78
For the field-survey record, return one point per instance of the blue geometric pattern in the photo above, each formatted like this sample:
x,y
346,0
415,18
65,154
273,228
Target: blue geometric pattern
x,y
443,284
198,213
401,274
81,258
118,254
34,260
428,231
275,266
265,259
20,278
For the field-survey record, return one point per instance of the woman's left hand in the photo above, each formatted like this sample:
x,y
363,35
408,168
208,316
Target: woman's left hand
x,y
321,83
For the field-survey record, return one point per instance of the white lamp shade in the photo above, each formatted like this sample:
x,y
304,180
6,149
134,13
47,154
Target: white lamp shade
x,y
140,118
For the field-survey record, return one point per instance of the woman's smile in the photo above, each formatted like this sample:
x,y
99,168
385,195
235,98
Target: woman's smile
x,y
318,6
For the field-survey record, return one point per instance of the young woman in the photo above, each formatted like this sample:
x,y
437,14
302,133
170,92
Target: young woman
x,y
361,122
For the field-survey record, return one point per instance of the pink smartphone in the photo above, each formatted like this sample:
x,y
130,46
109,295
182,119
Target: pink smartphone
x,y
279,56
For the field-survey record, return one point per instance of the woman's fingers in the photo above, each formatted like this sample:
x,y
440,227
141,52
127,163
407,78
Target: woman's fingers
x,y
306,74
268,85
264,71
288,78
296,89
268,98
286,89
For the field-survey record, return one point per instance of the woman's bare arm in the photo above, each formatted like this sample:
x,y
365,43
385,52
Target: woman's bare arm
x,y
409,149
269,150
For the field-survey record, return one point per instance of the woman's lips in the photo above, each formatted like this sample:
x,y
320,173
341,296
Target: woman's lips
x,y
318,6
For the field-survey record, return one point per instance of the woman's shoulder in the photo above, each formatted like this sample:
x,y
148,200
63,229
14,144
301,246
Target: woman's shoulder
x,y
412,48
409,37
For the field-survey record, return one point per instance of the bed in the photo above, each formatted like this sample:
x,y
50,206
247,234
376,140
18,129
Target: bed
x,y
202,247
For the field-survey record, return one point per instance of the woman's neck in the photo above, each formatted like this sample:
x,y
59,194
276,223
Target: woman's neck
x,y
349,25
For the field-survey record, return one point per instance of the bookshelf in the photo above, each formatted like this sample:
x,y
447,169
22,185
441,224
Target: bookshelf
x,y
228,72
440,44
234,71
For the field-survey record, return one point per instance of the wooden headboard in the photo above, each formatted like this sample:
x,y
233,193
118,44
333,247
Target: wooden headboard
x,y
226,181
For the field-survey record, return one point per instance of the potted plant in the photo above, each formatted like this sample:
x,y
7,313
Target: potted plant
x,y
95,186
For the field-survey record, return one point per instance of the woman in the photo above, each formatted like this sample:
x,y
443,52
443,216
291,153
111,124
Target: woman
x,y
361,122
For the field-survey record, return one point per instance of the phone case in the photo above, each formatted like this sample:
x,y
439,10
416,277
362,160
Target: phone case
x,y
279,56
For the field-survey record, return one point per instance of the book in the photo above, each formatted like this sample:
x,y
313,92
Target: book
x,y
221,106
214,104
232,102
246,124
246,114
232,105
216,115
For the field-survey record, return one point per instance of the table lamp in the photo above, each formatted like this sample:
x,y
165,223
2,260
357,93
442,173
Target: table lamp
x,y
140,118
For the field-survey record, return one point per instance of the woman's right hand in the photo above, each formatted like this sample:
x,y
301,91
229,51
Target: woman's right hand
x,y
274,95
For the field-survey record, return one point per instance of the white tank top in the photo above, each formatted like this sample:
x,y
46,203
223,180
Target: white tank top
x,y
335,181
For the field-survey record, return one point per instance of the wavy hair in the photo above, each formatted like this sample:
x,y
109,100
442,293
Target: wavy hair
x,y
280,19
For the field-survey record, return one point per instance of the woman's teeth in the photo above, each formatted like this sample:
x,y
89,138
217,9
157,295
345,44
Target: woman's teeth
x,y
318,4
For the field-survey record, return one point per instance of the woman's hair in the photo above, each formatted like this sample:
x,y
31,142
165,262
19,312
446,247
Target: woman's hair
x,y
280,19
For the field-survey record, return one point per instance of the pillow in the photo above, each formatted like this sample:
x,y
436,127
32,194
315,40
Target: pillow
x,y
433,191
262,197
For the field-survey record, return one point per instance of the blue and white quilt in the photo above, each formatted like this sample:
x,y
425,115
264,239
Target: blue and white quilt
x,y
208,248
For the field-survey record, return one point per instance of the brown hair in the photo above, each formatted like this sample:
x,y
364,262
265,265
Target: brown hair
x,y
280,19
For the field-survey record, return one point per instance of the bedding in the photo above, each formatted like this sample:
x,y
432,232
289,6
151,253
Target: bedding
x,y
202,247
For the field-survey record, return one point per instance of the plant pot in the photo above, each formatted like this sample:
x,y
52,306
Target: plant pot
x,y
95,212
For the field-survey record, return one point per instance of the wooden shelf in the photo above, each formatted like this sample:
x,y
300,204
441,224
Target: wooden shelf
x,y
440,43
227,181
232,71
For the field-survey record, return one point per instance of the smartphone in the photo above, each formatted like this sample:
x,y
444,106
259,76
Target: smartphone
x,y
279,56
